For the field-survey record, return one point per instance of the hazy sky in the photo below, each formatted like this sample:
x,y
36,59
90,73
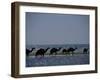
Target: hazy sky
x,y
50,28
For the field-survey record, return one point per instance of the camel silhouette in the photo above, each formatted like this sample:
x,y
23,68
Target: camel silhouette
x,y
29,51
41,52
71,50
54,50
85,50
64,51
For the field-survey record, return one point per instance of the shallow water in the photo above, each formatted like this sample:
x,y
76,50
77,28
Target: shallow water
x,y
76,59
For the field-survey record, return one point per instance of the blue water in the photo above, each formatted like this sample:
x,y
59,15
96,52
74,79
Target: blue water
x,y
56,60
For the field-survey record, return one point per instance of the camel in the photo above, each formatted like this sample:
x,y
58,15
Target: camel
x,y
54,50
29,51
41,52
85,50
71,50
64,51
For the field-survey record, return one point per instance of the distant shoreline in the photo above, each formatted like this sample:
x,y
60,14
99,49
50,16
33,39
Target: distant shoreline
x,y
56,45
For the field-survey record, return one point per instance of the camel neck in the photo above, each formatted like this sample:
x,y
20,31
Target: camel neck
x,y
46,49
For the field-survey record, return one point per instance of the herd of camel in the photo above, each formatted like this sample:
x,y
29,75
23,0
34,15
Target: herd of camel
x,y
42,51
